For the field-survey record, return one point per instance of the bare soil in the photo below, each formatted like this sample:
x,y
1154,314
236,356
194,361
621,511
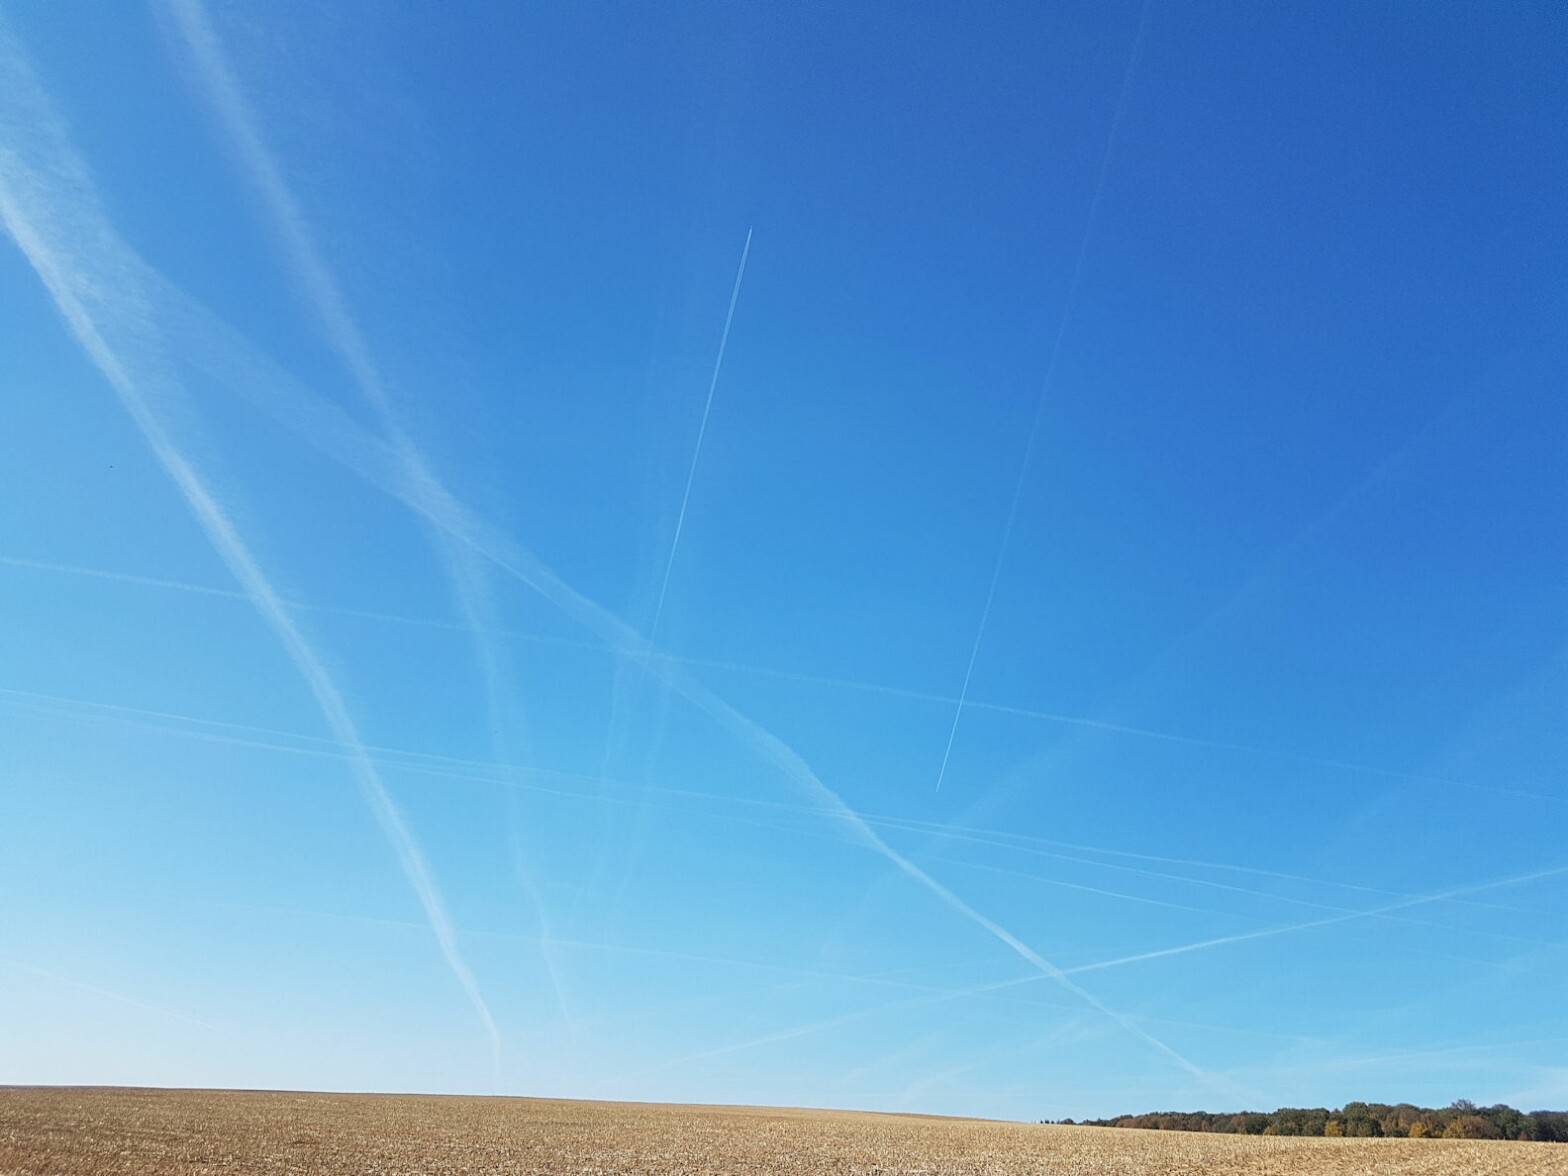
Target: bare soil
x,y
121,1132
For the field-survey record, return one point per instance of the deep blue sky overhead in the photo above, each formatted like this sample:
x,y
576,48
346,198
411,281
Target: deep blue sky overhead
x,y
1096,642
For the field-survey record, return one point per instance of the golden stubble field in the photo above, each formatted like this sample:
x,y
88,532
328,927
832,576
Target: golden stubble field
x,y
98,1132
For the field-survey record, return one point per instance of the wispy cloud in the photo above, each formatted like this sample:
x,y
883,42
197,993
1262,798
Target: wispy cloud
x,y
324,295
51,210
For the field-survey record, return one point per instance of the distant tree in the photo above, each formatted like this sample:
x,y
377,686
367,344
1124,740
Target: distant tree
x,y
1461,1120
1548,1126
1471,1127
1360,1119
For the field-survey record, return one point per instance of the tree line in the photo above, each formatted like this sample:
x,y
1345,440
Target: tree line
x,y
1460,1120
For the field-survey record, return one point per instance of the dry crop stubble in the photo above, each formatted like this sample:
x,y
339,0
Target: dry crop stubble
x,y
132,1132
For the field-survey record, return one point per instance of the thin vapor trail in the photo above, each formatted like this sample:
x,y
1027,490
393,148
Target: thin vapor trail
x,y
615,734
825,1024
696,452
214,348
325,296
489,772
945,700
39,565
49,208
480,772
1269,932
795,768
508,733
134,1002
504,776
876,980
209,345
1343,914
1045,388
451,767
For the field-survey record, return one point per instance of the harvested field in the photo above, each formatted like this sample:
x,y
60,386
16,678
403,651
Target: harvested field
x,y
97,1132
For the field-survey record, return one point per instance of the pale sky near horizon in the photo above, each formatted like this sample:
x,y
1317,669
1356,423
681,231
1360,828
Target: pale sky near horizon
x,y
1002,561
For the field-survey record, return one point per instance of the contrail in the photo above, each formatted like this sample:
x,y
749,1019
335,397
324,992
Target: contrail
x,y
793,767
49,207
508,731
489,772
215,349
825,1024
40,565
1342,914
696,452
451,767
175,1014
209,345
342,332
1269,932
946,700
1045,386
505,776
1279,559
613,739
875,980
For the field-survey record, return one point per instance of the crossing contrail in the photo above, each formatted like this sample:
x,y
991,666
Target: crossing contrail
x,y
1269,932
51,211
325,296
207,344
215,348
946,700
490,772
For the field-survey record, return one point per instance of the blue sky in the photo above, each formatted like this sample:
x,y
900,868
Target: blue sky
x,y
466,633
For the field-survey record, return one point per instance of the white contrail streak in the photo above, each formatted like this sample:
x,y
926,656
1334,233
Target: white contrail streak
x,y
491,772
207,344
696,452
214,348
134,1002
50,209
682,801
874,980
1045,390
1269,932
615,735
827,1023
322,292
342,332
793,767
944,700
